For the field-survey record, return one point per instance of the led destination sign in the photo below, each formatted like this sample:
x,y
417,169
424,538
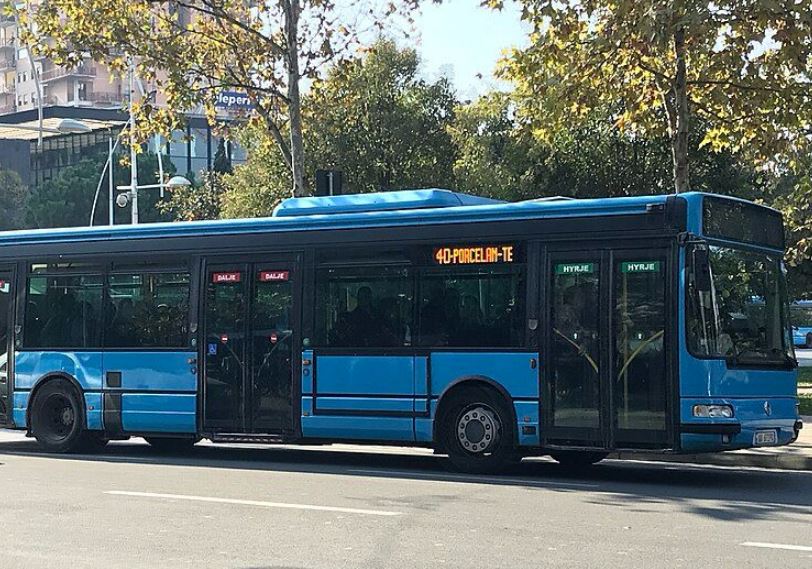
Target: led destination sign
x,y
476,255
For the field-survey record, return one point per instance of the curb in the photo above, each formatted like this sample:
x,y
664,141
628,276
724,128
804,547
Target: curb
x,y
780,461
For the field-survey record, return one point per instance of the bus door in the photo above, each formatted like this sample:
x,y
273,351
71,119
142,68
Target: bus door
x,y
6,349
606,382
251,334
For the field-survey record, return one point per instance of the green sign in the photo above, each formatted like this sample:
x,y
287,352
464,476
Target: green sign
x,y
640,267
574,268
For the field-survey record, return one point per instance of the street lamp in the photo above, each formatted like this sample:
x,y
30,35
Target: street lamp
x,y
174,182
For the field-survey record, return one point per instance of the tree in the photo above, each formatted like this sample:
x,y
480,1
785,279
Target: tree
x,y
498,156
377,120
260,183
13,196
740,67
195,49
196,202
66,199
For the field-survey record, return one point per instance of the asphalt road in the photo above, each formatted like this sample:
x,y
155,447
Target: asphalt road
x,y
322,508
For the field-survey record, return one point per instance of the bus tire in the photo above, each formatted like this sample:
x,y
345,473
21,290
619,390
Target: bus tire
x,y
477,431
578,458
57,418
172,444
94,441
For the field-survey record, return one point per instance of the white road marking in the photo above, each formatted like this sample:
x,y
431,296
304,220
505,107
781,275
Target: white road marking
x,y
255,503
776,546
462,478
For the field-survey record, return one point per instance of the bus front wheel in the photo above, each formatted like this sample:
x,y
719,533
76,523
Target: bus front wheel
x,y
57,419
477,432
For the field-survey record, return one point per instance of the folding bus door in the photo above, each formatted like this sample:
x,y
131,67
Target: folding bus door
x,y
607,383
251,336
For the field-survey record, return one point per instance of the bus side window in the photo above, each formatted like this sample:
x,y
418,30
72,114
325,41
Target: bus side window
x,y
364,307
63,311
472,308
147,310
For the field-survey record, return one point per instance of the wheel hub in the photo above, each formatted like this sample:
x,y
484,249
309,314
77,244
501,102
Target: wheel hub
x,y
477,429
67,416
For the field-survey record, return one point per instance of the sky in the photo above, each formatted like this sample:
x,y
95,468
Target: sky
x,y
460,39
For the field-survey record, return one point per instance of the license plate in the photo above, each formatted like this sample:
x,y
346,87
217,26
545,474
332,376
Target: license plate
x,y
763,438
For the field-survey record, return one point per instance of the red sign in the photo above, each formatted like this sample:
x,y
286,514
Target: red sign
x,y
274,276
219,278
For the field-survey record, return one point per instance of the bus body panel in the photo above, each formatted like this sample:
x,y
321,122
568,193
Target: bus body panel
x,y
153,371
516,372
86,368
94,411
159,412
365,376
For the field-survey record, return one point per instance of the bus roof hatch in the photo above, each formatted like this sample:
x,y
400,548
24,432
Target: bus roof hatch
x,y
379,201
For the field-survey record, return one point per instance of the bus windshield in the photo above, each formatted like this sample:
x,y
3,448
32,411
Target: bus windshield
x,y
742,316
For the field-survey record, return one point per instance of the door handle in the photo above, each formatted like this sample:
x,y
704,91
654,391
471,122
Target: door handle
x,y
533,363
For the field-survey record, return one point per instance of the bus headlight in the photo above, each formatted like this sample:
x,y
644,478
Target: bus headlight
x,y
725,411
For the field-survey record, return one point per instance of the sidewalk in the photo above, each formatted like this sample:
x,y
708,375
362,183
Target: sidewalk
x,y
797,456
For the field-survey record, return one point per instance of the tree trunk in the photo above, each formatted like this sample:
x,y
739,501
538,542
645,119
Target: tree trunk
x,y
295,101
679,137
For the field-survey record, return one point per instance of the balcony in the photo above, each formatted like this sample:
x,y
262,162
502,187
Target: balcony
x,y
57,73
7,62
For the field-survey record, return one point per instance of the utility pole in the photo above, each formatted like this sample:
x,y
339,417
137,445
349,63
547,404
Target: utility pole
x,y
133,154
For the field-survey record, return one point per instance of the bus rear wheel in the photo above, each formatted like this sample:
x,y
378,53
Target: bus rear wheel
x,y
57,419
577,458
172,444
477,432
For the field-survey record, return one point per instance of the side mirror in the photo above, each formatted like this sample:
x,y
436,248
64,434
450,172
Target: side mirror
x,y
702,271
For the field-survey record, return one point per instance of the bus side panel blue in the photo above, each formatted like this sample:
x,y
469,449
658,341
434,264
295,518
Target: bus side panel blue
x,y
527,415
421,378
20,405
361,404
148,412
712,378
365,375
153,371
512,370
358,427
85,367
424,426
93,406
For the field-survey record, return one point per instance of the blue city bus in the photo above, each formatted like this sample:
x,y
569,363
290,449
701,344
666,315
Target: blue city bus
x,y
800,315
483,329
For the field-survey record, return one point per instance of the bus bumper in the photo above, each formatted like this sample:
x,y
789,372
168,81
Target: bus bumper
x,y
759,423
